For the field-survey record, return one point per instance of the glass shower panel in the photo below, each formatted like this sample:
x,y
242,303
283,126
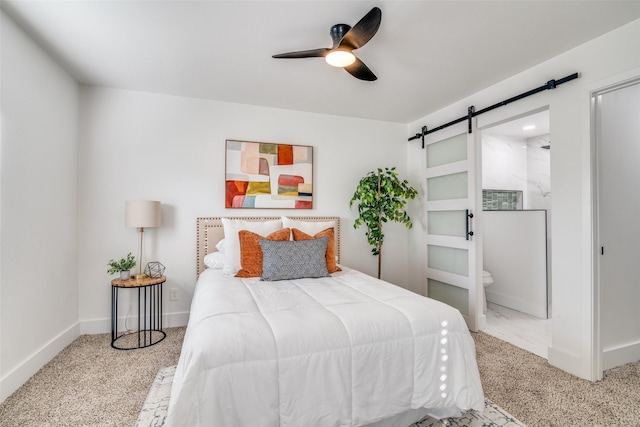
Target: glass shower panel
x,y
447,187
446,151
451,260
448,294
447,223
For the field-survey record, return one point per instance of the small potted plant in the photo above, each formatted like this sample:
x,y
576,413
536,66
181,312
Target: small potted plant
x,y
123,266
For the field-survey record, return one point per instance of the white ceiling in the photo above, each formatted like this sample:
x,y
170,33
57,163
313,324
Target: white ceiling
x,y
426,54
535,124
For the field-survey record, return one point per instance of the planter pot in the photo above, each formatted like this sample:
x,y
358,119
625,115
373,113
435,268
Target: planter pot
x,y
124,275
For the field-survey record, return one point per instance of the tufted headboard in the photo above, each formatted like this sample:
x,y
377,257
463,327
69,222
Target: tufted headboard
x,y
210,232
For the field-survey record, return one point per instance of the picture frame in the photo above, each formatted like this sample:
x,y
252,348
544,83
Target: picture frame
x,y
265,175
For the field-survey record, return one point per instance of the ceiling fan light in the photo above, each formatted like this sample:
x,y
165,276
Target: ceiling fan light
x,y
340,58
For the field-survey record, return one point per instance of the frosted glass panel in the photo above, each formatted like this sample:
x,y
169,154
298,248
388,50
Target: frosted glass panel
x,y
447,223
446,151
449,294
451,260
447,187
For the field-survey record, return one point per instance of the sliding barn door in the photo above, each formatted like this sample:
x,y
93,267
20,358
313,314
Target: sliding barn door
x,y
454,249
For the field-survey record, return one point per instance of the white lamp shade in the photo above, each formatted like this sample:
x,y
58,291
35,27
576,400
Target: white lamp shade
x,y
142,213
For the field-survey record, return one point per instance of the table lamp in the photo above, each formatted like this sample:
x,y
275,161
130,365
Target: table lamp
x,y
141,214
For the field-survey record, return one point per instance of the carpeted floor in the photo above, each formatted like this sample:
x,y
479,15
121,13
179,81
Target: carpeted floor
x,y
540,395
91,384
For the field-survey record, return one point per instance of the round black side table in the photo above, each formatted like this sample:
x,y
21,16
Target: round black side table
x,y
149,330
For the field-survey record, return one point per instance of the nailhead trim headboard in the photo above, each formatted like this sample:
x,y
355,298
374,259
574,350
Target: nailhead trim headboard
x,y
210,232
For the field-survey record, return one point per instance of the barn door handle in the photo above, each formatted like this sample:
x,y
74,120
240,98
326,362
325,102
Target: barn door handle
x,y
469,232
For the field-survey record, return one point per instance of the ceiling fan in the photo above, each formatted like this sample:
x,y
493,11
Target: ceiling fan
x,y
345,40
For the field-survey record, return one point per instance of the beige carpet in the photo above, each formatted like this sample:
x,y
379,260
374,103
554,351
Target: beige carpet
x,y
91,384
540,395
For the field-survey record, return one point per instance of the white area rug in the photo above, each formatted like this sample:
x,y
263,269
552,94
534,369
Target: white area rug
x,y
154,410
492,416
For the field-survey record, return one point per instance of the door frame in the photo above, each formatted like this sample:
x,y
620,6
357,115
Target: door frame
x,y
498,122
607,85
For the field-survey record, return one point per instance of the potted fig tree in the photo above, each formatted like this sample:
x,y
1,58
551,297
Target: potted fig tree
x,y
381,197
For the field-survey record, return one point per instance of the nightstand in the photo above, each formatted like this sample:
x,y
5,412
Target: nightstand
x,y
149,324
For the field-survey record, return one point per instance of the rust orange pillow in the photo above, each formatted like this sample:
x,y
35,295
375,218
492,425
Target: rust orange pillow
x,y
331,245
251,252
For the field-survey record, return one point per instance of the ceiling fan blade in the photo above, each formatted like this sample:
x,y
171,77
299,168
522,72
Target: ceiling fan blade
x,y
313,53
361,71
362,32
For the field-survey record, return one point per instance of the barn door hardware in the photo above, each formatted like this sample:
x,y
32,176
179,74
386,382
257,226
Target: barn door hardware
x,y
469,216
471,112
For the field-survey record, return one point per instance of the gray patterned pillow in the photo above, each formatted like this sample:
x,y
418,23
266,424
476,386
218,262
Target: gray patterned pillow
x,y
294,259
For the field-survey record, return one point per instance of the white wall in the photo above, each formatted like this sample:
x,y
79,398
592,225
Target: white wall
x,y
518,164
504,164
135,145
598,60
538,173
515,252
38,268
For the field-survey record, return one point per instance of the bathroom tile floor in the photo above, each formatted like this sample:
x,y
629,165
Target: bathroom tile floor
x,y
520,329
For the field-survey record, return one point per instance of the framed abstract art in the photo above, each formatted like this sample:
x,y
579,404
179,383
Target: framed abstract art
x,y
262,175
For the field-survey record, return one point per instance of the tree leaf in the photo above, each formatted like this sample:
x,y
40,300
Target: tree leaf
x,y
381,197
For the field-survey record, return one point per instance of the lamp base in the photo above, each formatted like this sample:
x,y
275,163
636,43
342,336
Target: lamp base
x,y
140,276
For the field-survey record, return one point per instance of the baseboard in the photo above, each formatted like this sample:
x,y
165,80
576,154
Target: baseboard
x,y
482,322
566,361
621,355
17,377
103,326
519,304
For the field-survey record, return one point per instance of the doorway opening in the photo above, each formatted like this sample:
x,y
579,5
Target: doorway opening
x,y
616,133
516,229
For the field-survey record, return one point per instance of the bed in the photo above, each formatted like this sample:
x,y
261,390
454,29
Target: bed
x,y
340,349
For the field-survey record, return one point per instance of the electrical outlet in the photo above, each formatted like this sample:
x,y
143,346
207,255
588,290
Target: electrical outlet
x,y
174,294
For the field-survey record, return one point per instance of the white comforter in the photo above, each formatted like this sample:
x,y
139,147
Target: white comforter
x,y
346,350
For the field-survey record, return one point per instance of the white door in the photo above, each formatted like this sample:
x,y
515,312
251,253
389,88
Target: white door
x,y
454,247
618,152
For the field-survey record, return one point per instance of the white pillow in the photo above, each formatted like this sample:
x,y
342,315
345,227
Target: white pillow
x,y
309,227
232,242
220,246
214,260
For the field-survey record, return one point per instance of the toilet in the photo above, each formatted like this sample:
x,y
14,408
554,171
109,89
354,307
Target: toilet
x,y
487,280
